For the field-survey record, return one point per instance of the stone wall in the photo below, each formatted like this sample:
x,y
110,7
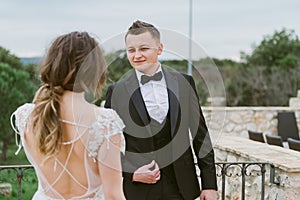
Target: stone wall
x,y
236,121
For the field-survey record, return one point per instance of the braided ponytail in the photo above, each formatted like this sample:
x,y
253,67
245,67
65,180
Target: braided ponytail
x,y
74,62
46,122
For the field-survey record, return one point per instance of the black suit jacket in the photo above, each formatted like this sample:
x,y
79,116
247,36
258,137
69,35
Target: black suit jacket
x,y
185,114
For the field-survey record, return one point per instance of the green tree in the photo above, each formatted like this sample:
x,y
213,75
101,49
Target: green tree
x,y
269,76
16,88
252,86
12,60
32,68
281,49
117,64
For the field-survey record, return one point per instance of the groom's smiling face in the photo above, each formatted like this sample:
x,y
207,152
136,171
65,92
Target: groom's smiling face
x,y
143,51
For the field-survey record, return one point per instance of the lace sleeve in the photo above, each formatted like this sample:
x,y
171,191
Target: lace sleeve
x,y
18,121
107,124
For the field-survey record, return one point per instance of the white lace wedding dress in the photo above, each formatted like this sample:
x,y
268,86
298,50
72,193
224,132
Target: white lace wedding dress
x,y
92,137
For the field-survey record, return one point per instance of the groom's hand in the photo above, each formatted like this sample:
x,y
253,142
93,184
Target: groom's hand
x,y
149,173
208,195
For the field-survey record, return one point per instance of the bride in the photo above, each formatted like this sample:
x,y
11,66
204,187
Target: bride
x,y
73,145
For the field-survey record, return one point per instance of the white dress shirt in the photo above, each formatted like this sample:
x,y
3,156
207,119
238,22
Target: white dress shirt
x,y
155,95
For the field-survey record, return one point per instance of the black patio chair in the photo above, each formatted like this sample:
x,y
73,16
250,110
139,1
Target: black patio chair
x,y
294,144
256,136
287,126
274,140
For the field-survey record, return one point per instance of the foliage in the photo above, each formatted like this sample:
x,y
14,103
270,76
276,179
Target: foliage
x,y
10,59
17,86
13,159
118,65
261,86
178,65
269,76
198,72
15,89
29,183
282,49
221,63
31,68
181,67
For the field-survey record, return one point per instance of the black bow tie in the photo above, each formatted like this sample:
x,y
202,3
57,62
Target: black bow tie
x,y
155,77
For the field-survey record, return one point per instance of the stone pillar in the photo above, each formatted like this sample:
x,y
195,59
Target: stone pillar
x,y
216,101
5,189
295,101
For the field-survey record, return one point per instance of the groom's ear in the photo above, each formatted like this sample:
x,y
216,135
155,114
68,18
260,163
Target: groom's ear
x,y
160,49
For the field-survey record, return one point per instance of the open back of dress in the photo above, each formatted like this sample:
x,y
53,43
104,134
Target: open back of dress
x,y
73,173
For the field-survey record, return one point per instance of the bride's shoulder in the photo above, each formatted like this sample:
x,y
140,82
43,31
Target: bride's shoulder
x,y
108,117
21,115
24,110
106,114
26,107
107,124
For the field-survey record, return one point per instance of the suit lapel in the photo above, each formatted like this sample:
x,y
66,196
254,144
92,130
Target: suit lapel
x,y
173,93
134,92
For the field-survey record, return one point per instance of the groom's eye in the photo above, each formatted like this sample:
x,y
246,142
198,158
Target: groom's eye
x,y
130,50
144,49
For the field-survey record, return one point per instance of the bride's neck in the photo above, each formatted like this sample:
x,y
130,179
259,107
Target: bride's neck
x,y
73,104
70,96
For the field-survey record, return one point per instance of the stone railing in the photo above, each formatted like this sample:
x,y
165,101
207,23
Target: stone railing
x,y
228,127
282,180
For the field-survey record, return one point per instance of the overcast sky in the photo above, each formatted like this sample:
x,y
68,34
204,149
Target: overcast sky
x,y
221,28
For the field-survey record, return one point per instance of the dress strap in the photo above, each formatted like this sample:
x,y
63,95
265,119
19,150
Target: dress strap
x,y
63,170
78,135
68,157
74,123
18,143
18,121
70,174
75,139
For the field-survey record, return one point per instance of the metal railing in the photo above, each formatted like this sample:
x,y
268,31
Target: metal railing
x,y
224,170
19,169
241,169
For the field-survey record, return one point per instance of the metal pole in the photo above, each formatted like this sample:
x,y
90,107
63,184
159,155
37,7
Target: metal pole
x,y
190,39
263,171
223,180
19,177
243,180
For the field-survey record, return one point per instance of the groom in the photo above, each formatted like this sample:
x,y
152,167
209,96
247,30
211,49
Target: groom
x,y
159,106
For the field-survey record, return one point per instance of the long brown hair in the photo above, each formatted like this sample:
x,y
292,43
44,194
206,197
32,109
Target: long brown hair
x,y
74,62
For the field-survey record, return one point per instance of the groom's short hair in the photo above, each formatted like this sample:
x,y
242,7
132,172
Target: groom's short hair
x,y
139,27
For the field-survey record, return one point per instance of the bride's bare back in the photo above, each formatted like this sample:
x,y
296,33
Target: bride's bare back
x,y
88,163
